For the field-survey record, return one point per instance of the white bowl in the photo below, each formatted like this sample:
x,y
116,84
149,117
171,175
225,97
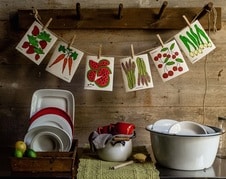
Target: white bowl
x,y
46,141
63,135
185,152
116,151
209,130
187,128
163,125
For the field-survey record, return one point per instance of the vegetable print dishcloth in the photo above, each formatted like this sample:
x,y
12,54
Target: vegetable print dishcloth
x,y
36,43
195,42
136,73
99,73
64,61
169,61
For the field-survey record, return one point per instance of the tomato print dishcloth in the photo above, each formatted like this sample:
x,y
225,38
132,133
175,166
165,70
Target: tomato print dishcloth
x,y
36,43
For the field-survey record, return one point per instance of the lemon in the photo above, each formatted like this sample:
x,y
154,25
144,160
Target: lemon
x,y
18,153
20,145
31,153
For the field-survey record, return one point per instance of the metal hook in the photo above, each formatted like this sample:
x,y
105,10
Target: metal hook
x,y
119,16
162,9
78,11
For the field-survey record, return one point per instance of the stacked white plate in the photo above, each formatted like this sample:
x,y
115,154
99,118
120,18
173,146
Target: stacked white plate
x,y
51,122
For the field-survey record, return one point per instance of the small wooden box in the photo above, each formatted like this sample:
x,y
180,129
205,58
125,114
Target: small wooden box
x,y
47,163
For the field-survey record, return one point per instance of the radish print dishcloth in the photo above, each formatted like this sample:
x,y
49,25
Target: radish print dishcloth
x,y
99,73
195,42
36,43
64,61
169,61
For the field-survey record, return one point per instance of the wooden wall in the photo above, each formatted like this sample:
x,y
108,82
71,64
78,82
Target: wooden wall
x,y
198,95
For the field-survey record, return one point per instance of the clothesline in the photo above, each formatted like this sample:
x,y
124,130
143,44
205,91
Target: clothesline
x,y
38,19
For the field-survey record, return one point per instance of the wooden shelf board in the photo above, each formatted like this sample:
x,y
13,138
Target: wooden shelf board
x,y
132,18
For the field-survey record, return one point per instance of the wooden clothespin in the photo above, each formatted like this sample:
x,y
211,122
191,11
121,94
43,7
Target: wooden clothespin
x,y
47,24
99,51
160,40
188,23
132,51
72,41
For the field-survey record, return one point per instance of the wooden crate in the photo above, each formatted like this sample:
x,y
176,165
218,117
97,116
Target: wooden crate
x,y
47,164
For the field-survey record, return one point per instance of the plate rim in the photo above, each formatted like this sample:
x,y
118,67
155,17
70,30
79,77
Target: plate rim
x,y
52,110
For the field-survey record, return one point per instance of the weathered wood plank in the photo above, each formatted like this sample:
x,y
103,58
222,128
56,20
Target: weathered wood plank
x,y
132,18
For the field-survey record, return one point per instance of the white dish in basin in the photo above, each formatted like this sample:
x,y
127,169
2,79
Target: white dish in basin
x,y
209,130
163,125
187,128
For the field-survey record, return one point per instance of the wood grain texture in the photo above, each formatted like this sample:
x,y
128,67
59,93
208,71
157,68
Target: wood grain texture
x,y
132,18
198,95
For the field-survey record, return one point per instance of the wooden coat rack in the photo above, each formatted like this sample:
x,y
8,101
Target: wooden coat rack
x,y
120,18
